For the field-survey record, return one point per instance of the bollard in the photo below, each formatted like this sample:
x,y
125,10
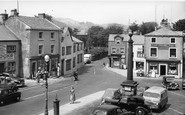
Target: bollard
x,y
56,105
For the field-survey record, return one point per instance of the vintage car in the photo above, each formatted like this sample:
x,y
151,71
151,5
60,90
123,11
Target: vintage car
x,y
156,97
127,101
169,83
183,83
19,81
107,109
6,82
8,95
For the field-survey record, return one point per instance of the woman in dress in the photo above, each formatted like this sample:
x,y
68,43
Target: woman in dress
x,y
72,95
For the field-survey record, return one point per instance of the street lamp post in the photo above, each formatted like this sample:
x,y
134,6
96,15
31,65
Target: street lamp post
x,y
46,58
130,57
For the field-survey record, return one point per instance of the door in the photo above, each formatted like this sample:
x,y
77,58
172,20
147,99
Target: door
x,y
62,67
162,69
2,68
33,70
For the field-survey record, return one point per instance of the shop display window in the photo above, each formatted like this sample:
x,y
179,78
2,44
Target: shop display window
x,y
153,67
172,69
139,65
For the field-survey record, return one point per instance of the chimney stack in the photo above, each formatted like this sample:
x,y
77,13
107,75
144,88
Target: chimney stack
x,y
3,17
14,12
45,16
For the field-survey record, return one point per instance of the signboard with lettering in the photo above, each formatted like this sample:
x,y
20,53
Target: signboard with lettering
x,y
5,57
163,46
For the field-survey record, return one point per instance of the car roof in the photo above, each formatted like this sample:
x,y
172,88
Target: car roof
x,y
106,107
155,89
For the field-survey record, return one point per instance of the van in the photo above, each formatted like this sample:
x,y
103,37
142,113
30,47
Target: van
x,y
87,58
156,97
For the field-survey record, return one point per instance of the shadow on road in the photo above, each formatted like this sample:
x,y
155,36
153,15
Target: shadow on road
x,y
163,109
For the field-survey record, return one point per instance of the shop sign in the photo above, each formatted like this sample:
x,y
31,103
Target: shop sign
x,y
9,56
172,64
153,64
163,46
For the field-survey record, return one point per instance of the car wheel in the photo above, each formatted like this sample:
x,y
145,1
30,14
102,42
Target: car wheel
x,y
140,111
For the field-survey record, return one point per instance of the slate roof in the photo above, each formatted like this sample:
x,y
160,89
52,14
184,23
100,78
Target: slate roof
x,y
6,35
76,40
138,39
38,23
164,32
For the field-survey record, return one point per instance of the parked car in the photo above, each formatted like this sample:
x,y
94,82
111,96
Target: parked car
x,y
156,97
110,110
134,103
6,82
19,81
169,83
183,83
8,95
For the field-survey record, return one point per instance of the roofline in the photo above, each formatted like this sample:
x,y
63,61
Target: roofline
x,y
10,40
163,35
44,29
12,33
53,24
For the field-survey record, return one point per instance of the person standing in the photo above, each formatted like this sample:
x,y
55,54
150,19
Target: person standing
x,y
72,95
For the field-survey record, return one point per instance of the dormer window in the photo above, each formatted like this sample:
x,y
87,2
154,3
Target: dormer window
x,y
172,40
118,41
153,40
113,50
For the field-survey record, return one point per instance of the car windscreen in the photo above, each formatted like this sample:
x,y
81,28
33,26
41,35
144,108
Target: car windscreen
x,y
150,94
99,112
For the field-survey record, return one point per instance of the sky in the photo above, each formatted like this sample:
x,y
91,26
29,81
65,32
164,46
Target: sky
x,y
100,11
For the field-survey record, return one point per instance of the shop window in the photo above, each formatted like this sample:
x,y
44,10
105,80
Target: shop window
x,y
68,65
153,67
172,52
63,51
68,50
54,63
139,65
114,50
122,50
153,40
11,48
153,52
172,69
11,67
172,40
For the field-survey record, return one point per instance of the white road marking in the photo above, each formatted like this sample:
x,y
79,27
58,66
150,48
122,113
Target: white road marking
x,y
177,111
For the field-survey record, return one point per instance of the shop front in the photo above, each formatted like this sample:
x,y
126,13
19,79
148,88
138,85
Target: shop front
x,y
160,68
38,62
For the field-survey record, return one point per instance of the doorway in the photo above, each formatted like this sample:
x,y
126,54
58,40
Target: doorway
x,y
33,70
62,67
162,69
2,67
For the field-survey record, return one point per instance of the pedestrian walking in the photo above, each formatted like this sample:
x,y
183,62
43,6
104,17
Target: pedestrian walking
x,y
72,95
39,74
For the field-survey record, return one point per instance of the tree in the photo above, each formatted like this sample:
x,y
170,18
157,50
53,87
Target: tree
x,y
147,27
95,35
73,31
134,27
179,25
